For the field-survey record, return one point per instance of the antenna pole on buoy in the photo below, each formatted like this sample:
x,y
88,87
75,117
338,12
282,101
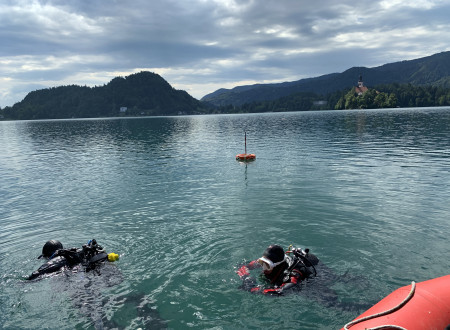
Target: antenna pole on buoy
x,y
245,141
245,157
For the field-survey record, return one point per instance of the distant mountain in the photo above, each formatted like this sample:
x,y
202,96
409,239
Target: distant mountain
x,y
432,70
143,93
147,93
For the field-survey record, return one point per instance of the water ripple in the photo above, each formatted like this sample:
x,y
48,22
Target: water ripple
x,y
365,190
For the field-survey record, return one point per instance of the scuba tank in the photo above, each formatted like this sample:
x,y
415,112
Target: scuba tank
x,y
302,258
301,265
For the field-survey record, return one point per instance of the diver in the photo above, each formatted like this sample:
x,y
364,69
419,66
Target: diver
x,y
281,270
90,256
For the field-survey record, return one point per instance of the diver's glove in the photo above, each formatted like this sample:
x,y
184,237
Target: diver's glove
x,y
280,290
33,275
248,284
273,291
243,272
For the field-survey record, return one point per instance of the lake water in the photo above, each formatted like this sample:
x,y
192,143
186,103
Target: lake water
x,y
367,191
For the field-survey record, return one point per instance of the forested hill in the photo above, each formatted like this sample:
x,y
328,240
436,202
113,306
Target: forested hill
x,y
432,70
143,93
420,82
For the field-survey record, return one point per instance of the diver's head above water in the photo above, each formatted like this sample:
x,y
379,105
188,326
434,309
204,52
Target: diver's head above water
x,y
50,247
272,258
283,269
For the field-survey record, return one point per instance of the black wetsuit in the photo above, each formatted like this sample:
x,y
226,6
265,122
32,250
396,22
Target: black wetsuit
x,y
287,275
89,256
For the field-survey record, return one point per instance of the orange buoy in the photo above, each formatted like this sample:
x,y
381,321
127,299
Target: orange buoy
x,y
425,305
245,156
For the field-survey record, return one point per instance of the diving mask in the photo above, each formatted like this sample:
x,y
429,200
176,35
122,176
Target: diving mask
x,y
268,265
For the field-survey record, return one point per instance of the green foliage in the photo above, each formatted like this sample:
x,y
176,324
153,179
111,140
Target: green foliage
x,y
395,95
143,93
295,102
382,96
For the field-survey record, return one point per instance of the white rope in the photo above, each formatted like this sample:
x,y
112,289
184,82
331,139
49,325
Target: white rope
x,y
393,309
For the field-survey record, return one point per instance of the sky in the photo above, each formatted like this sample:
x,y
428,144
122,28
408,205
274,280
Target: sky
x,y
202,45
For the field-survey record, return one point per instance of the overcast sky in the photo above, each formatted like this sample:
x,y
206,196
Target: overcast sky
x,y
202,45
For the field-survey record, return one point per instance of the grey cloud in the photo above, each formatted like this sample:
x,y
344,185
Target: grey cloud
x,y
229,41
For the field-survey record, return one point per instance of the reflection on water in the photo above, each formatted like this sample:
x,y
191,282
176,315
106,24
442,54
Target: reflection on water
x,y
365,190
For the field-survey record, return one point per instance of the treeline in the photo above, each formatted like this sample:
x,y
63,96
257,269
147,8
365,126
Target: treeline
x,y
372,99
394,95
149,94
295,102
143,93
382,96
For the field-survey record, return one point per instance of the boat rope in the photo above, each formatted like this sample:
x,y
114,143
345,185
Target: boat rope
x,y
393,309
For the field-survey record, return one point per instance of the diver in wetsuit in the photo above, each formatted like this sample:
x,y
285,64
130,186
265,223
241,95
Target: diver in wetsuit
x,y
283,270
89,256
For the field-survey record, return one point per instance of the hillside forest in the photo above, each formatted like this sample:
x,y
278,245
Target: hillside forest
x,y
382,96
148,94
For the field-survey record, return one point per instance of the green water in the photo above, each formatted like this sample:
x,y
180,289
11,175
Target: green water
x,y
367,191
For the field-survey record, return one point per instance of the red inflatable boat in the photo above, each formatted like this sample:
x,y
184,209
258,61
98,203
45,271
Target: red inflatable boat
x,y
425,305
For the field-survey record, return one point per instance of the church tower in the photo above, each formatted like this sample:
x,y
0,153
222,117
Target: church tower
x,y
360,81
360,89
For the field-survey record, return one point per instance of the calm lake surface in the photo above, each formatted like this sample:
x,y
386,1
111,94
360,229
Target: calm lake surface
x,y
367,191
